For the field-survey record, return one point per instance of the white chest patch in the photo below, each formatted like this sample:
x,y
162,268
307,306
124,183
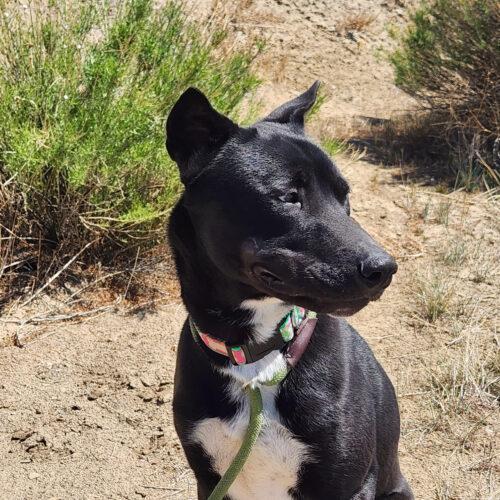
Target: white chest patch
x,y
274,463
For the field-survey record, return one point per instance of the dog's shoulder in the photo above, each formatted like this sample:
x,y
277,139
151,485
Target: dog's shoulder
x,y
338,366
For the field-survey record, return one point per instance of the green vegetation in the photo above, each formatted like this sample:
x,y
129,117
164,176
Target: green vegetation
x,y
84,91
433,295
334,146
449,59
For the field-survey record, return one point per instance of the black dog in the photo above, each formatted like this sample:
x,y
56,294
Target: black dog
x,y
263,225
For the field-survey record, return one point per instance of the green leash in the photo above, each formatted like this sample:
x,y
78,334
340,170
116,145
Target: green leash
x,y
249,439
256,419
251,435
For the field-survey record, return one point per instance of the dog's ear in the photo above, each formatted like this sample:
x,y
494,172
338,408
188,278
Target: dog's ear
x,y
293,112
194,128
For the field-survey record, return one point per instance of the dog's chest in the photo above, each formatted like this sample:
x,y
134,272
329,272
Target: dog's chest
x,y
274,462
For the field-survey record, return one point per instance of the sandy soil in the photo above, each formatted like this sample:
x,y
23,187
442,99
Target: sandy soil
x,y
341,43
85,406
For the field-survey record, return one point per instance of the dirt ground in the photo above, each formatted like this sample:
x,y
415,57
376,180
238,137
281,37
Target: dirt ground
x,y
85,405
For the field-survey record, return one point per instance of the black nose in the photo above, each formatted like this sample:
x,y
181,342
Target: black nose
x,y
377,270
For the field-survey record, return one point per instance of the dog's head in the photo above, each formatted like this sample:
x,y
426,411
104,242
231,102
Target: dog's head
x,y
271,209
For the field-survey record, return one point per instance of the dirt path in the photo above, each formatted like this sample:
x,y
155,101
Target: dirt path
x,y
85,407
340,43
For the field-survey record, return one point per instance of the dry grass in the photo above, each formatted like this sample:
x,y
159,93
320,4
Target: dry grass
x,y
455,254
355,22
432,296
456,370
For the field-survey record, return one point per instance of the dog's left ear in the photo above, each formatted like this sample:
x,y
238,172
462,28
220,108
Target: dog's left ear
x,y
293,112
195,129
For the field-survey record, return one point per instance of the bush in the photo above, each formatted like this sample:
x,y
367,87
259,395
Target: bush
x,y
449,59
84,91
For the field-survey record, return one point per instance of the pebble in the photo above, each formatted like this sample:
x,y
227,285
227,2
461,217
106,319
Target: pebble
x,y
148,380
134,383
21,435
147,395
94,394
33,442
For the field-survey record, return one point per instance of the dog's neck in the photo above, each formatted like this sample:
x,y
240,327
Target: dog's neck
x,y
224,308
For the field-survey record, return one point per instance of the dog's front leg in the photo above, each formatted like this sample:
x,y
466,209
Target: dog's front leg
x,y
201,465
204,491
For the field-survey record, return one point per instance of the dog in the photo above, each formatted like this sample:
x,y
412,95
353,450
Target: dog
x,y
264,225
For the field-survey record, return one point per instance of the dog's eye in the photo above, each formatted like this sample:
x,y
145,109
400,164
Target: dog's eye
x,y
291,198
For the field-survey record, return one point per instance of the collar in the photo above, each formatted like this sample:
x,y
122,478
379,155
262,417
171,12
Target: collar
x,y
298,324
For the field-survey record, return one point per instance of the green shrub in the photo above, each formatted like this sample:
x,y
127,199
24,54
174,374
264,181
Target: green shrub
x,y
84,91
449,59
334,146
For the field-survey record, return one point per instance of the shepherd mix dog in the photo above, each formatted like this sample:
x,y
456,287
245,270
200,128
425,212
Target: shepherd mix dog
x,y
264,225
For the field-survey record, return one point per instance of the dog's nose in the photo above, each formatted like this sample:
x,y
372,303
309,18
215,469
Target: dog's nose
x,y
377,270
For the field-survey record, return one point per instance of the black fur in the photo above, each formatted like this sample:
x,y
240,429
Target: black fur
x,y
266,213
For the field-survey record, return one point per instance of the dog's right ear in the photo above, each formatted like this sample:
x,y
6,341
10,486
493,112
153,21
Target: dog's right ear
x,y
194,129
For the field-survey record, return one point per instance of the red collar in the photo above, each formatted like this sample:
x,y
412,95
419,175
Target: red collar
x,y
294,332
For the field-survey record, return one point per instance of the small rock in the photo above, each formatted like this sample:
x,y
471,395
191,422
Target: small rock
x,y
148,380
94,394
134,383
45,439
132,421
147,395
33,475
21,435
76,407
161,442
165,381
33,442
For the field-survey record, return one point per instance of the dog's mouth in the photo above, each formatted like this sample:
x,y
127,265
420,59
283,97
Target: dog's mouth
x,y
271,284
265,276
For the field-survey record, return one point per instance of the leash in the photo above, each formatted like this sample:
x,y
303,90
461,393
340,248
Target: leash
x,y
249,439
305,324
252,433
